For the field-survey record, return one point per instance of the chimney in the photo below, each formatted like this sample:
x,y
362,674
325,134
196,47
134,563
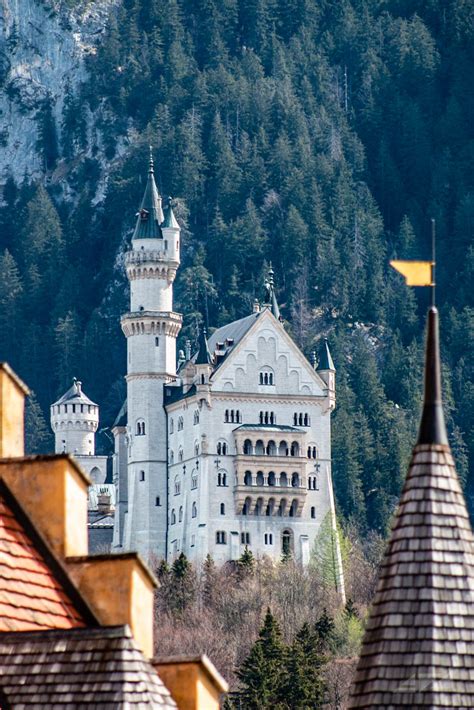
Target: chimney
x,y
12,413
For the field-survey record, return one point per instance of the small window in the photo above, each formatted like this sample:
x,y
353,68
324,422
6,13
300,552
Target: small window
x,y
194,481
173,517
194,511
180,423
196,417
140,429
73,408
180,454
221,537
177,486
171,458
226,416
171,425
157,501
180,518
222,479
222,508
157,341
245,538
141,475
268,538
313,511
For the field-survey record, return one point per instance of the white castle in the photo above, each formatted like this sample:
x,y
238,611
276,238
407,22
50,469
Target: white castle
x,y
221,449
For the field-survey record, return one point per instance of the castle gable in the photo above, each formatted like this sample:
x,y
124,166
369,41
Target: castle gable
x,y
266,360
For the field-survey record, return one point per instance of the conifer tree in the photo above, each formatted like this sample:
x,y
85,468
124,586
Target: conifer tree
x,y
302,684
37,433
182,583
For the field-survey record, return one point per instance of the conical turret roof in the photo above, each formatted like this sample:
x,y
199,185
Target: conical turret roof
x,y
203,356
169,217
150,215
74,394
418,649
325,358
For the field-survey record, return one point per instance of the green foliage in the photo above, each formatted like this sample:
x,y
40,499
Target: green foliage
x,y
38,438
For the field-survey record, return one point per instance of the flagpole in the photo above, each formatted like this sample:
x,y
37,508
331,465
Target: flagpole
x,y
433,261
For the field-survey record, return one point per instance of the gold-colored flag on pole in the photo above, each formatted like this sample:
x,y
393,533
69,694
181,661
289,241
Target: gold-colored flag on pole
x,y
416,273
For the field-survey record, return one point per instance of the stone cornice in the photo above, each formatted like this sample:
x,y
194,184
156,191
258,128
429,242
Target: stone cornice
x,y
271,399
165,376
151,323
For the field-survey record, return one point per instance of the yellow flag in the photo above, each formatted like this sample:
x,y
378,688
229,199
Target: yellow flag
x,y
416,273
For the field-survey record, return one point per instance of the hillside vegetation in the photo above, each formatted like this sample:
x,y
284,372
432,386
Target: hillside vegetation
x,y
319,136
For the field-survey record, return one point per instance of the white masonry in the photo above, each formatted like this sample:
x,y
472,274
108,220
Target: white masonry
x,y
232,447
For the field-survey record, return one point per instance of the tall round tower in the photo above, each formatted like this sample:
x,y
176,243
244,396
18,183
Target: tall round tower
x,y
151,328
74,420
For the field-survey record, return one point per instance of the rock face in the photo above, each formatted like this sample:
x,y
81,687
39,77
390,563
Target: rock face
x,y
43,44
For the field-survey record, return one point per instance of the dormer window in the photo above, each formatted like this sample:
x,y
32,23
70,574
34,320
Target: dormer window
x,y
144,214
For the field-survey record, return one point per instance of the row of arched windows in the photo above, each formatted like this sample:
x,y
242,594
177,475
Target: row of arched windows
x,y
271,480
261,509
83,408
313,483
270,449
222,478
301,419
266,378
140,428
180,513
232,416
267,418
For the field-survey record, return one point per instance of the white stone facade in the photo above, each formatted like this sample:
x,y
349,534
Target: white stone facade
x,y
231,450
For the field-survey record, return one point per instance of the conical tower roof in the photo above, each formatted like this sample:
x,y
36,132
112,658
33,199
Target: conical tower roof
x,y
150,215
325,358
169,219
203,356
418,649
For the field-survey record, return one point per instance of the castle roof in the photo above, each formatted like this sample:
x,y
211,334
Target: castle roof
x,y
203,356
325,358
75,394
169,219
232,333
418,649
150,215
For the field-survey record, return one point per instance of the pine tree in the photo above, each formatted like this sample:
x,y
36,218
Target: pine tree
x,y
209,584
37,433
261,673
324,629
11,290
302,684
246,563
182,584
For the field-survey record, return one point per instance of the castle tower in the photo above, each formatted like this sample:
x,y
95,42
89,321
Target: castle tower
x,y
151,328
74,421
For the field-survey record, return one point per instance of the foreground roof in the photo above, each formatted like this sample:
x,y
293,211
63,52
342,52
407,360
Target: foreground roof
x,y
79,668
418,649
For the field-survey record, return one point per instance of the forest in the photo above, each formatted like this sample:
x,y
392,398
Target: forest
x,y
319,136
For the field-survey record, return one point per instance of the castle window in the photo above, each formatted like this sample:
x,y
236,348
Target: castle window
x,y
177,486
221,448
171,458
196,449
157,501
313,483
171,425
180,423
247,478
268,538
173,517
260,478
245,538
221,537
180,454
295,480
286,542
226,416
157,341
196,417
140,429
247,447
295,449
180,517
141,475
271,478
222,479
266,377
222,508
194,480
313,511
73,408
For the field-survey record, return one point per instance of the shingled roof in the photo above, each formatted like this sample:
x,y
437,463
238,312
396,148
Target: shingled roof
x,y
79,668
418,649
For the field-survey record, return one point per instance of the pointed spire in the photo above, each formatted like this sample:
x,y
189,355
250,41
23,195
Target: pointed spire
x,y
204,357
150,215
432,425
422,616
169,218
325,358
270,299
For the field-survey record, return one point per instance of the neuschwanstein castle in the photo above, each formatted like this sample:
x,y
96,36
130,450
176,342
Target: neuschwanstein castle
x,y
218,449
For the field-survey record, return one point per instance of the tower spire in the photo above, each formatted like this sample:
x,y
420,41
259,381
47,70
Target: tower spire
x,y
432,425
270,299
150,215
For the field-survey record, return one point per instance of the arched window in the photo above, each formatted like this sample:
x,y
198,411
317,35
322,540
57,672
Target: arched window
x,y
222,508
194,480
259,448
196,417
295,480
306,420
221,537
171,425
261,378
171,458
180,454
300,419
222,478
295,419
283,479
226,416
292,511
203,380
221,448
177,486
266,377
260,478
283,449
224,449
157,501
180,516
295,449
140,428
180,423
194,510
247,478
286,542
271,478
315,453
196,448
173,517
313,511
247,447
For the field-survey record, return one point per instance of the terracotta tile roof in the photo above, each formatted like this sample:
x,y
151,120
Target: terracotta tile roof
x,y
34,592
418,649
79,668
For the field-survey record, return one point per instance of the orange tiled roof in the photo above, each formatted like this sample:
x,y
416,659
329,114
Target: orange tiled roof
x,y
31,596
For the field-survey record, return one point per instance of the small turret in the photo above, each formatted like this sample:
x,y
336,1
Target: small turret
x,y
327,372
204,365
74,420
150,215
270,299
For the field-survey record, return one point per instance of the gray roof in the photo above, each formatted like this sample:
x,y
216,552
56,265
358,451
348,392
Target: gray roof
x,y
203,356
269,427
121,418
150,215
78,668
75,394
235,331
169,219
325,360
418,649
